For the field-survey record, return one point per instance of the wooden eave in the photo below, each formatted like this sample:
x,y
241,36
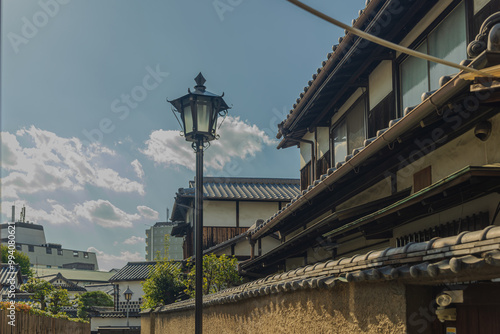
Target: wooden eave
x,y
347,70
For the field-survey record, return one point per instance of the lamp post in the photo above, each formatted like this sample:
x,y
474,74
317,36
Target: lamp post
x,y
128,295
199,111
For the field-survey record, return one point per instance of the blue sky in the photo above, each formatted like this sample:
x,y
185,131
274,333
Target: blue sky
x,y
89,144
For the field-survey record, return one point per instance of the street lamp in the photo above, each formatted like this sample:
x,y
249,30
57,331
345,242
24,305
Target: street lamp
x,y
128,295
199,111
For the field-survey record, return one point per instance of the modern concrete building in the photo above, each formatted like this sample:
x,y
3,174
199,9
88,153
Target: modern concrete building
x,y
30,239
160,244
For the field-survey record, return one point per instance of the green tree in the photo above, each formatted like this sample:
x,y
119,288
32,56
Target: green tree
x,y
163,285
92,298
18,257
57,299
218,273
40,289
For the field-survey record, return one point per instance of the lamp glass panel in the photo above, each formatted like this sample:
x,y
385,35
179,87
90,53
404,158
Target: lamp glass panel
x,y
188,117
204,108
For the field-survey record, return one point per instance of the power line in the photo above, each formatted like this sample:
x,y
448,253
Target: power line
x,y
384,42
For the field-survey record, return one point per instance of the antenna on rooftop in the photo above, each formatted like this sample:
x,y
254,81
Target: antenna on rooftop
x,y
13,213
22,217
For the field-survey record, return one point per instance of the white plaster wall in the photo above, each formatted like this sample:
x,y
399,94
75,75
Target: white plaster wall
x,y
379,190
305,149
242,248
268,244
323,144
463,151
251,211
380,82
219,213
135,286
350,101
96,322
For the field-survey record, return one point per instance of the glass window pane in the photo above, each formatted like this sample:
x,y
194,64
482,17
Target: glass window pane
x,y
448,41
414,79
339,142
356,126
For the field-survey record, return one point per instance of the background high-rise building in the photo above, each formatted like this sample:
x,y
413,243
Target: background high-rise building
x,y
160,244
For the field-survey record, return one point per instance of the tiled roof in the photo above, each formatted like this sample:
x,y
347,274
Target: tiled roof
x,y
68,285
428,262
134,271
76,274
6,273
247,189
397,127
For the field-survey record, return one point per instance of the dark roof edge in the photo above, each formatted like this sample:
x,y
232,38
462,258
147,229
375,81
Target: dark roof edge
x,y
413,118
323,77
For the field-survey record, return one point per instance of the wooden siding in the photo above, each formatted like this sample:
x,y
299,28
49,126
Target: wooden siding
x,y
305,176
215,235
31,323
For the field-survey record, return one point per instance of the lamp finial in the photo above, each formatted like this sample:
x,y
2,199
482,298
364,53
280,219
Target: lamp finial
x,y
200,80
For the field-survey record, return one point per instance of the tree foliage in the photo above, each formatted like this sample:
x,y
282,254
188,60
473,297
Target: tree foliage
x,y
219,272
167,283
18,257
163,285
92,298
40,289
57,299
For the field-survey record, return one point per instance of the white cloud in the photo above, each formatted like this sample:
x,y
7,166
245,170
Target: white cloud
x,y
238,139
147,212
104,213
47,162
138,168
110,261
133,240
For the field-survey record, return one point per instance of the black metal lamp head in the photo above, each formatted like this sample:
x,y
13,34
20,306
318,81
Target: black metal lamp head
x,y
199,111
128,294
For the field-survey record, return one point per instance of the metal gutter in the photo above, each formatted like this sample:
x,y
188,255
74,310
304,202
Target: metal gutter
x,y
411,120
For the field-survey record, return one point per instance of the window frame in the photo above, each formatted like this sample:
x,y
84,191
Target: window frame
x,y
343,121
423,38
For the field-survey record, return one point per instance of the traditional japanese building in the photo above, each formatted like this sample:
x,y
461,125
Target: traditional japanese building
x,y
396,228
230,207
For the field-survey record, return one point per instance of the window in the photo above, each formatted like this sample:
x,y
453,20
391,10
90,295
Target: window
x,y
59,252
447,41
48,250
349,133
31,248
75,253
86,255
19,247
